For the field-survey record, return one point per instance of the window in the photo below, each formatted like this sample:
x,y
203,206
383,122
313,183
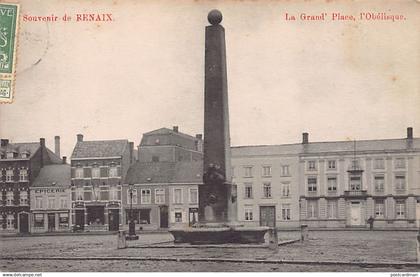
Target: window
x,y
379,183
79,173
178,216
87,194
51,202
178,196
10,198
267,190
39,220
63,220
379,209
63,202
96,173
103,172
38,202
233,171
312,209
332,209
312,184
79,194
379,164
146,196
400,163
145,216
332,184
9,175
155,159
113,172
249,214
159,196
355,164
285,211
24,155
266,171
104,193
285,170
311,165
114,194
248,171
23,175
332,165
24,198
285,190
355,183
193,196
9,155
248,190
400,182
10,220
400,209
132,195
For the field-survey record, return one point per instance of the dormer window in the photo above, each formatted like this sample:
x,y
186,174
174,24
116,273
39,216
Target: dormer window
x,y
9,155
24,155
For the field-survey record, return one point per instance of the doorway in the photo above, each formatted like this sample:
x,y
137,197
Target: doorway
x,y
163,211
51,222
80,220
23,223
114,219
355,214
268,216
193,216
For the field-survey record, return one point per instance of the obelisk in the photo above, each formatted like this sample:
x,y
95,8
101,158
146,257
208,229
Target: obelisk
x,y
215,199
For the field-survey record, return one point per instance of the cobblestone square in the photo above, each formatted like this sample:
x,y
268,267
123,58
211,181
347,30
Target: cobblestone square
x,y
322,246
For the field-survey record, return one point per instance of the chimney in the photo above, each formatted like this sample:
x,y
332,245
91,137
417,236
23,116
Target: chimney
x,y
64,159
305,138
410,133
175,128
57,145
4,142
131,149
42,144
199,136
79,137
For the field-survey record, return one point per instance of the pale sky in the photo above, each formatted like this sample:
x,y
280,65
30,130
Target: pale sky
x,y
336,80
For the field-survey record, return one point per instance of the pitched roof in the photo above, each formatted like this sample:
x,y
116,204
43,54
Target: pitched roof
x,y
99,149
57,175
21,147
164,131
165,172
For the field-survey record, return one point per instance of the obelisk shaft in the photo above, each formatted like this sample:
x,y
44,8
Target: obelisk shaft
x,y
215,193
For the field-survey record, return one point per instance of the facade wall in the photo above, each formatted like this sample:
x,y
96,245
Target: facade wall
x,y
279,179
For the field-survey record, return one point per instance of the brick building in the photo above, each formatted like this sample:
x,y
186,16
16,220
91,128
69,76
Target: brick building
x,y
50,199
20,164
98,169
165,180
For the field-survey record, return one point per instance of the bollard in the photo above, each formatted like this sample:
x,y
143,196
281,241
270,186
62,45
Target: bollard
x,y
273,240
418,247
303,232
122,243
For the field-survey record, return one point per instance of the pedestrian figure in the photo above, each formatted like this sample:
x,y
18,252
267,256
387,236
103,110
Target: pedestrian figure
x,y
370,221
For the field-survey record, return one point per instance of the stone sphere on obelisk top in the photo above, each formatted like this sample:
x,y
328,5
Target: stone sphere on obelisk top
x,y
215,17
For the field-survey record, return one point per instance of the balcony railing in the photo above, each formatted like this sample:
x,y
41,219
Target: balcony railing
x,y
355,193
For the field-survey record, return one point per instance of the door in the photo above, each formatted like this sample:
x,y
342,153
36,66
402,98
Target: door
x,y
23,223
80,219
268,216
355,212
51,222
114,219
193,216
164,220
418,214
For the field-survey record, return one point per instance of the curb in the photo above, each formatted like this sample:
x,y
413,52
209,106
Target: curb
x,y
302,262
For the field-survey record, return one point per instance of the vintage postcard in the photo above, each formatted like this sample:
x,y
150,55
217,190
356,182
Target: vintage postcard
x,y
209,136
9,23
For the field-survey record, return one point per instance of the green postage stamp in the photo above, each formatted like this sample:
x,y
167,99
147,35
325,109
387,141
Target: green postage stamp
x,y
9,19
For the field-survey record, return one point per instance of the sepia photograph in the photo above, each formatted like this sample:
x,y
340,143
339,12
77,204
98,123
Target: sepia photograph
x,y
209,136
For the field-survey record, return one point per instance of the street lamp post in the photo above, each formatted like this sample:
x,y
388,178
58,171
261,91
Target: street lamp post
x,y
131,224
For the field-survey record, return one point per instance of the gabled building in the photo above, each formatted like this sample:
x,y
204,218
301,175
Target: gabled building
x,y
20,164
50,197
98,169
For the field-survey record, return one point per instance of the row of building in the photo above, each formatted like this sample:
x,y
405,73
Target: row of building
x,y
107,182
